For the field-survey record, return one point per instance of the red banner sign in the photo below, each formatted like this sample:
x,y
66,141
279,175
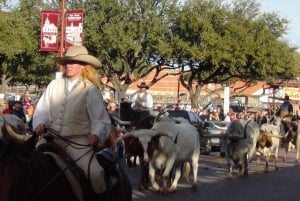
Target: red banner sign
x,y
49,30
74,28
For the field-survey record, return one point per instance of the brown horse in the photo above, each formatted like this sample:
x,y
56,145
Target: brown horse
x,y
27,174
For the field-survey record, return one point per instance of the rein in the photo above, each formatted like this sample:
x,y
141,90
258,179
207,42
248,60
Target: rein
x,y
69,142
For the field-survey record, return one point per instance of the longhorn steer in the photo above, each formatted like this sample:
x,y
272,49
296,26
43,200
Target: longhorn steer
x,y
290,131
268,143
16,124
169,144
238,144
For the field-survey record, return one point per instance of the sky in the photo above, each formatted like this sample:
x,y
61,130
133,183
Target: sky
x,y
288,9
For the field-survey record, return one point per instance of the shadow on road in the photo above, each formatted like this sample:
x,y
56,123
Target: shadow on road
x,y
281,185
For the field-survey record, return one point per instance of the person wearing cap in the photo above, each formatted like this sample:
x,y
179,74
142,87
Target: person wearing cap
x,y
142,101
19,111
73,107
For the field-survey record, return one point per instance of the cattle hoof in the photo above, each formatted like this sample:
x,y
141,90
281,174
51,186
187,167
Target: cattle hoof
x,y
229,176
156,188
276,168
171,189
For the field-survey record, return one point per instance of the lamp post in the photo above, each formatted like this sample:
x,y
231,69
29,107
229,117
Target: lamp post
x,y
62,32
59,72
226,98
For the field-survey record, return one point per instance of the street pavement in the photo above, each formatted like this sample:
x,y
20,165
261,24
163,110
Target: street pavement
x,y
281,185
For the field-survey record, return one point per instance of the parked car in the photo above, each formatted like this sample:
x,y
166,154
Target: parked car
x,y
216,128
194,119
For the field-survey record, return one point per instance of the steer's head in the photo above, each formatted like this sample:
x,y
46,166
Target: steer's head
x,y
149,139
264,139
12,129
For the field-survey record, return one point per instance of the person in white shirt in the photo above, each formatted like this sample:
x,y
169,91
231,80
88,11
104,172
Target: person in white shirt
x,y
142,101
227,117
73,107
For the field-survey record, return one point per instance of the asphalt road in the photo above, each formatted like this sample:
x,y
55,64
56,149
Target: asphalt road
x,y
281,185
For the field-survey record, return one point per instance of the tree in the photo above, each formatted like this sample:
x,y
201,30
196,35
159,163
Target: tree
x,y
20,59
214,42
129,37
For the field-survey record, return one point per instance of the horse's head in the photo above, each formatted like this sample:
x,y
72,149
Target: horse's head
x,y
15,171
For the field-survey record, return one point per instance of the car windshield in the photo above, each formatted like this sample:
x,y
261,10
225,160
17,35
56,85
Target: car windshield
x,y
221,124
217,124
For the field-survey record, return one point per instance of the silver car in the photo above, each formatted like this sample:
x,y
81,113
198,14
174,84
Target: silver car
x,y
216,128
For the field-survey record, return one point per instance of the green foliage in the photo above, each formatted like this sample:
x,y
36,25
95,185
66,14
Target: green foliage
x,y
211,41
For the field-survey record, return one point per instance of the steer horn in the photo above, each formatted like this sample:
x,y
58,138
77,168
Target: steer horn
x,y
15,135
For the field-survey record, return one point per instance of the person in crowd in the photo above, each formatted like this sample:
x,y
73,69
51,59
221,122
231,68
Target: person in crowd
x,y
227,117
113,112
26,97
9,106
263,118
286,108
73,106
27,105
19,111
233,116
204,115
142,101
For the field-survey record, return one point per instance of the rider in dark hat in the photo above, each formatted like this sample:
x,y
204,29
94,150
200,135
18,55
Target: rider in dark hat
x,y
142,101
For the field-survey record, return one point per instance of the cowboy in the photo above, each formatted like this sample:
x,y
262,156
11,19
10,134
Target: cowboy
x,y
286,108
73,107
142,101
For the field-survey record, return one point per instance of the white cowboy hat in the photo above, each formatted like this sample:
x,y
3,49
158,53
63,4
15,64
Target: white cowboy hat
x,y
78,53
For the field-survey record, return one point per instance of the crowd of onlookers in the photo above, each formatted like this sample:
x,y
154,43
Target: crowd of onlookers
x,y
22,108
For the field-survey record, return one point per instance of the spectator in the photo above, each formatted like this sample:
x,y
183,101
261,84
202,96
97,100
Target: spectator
x,y
19,111
9,107
227,117
264,118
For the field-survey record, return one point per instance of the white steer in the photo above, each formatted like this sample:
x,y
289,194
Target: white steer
x,y
169,144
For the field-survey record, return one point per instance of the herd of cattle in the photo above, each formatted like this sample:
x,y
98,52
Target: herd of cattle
x,y
171,147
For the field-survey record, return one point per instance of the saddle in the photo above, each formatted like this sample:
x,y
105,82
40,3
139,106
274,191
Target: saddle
x,y
111,163
74,174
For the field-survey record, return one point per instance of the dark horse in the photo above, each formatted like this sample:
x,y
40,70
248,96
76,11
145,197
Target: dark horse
x,y
29,174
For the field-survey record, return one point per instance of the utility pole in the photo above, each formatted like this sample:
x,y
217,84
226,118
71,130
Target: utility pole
x,y
62,33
